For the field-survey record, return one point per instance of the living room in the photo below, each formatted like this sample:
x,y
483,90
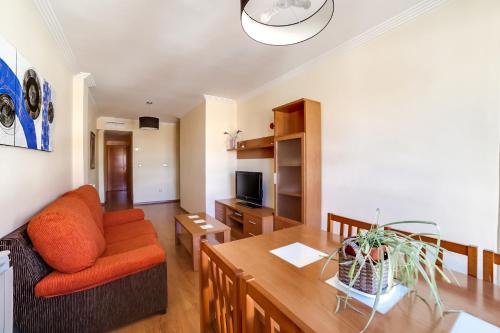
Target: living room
x,y
191,166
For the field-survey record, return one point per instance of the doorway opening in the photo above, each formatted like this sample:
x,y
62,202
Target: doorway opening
x,y
118,170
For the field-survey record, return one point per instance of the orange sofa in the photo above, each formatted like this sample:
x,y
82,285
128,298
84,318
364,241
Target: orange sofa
x,y
80,269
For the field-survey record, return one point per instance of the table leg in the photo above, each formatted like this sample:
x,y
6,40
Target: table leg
x,y
196,253
227,236
177,231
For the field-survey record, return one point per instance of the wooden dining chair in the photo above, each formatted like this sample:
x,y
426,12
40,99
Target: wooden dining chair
x,y
352,225
490,259
257,303
219,288
467,250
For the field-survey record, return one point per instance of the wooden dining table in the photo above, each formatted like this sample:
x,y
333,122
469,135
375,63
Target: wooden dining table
x,y
310,302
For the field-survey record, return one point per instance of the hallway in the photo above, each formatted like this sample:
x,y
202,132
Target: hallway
x,y
117,200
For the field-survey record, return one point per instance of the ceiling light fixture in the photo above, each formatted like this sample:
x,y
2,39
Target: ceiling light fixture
x,y
285,22
148,122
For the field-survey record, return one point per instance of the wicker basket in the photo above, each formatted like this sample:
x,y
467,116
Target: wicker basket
x,y
367,280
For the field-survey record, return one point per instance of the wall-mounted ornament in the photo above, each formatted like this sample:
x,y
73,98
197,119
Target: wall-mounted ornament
x,y
26,103
92,150
232,140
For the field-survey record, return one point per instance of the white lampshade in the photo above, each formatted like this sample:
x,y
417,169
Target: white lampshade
x,y
285,22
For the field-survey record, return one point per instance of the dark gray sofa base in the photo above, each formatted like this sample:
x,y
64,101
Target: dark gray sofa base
x,y
99,309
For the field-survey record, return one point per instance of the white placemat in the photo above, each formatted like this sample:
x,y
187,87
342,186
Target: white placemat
x,y
199,221
386,301
298,254
207,226
193,217
467,323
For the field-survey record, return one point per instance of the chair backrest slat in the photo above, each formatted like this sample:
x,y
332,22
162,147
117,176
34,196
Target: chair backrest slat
x,y
490,259
219,288
470,251
345,221
275,320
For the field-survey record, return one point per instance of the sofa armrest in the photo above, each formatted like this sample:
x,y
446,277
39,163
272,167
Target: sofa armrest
x,y
105,270
122,217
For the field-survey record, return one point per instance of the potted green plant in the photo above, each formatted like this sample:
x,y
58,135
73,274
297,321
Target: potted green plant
x,y
375,260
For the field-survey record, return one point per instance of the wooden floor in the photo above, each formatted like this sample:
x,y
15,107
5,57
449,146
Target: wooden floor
x,y
183,309
117,200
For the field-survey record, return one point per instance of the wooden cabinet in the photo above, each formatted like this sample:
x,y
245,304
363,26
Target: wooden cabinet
x,y
244,221
297,164
256,148
219,211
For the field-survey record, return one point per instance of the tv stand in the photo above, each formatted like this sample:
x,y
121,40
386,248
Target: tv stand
x,y
248,204
243,220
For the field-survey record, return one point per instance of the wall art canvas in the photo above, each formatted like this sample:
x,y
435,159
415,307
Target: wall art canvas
x,y
8,93
92,150
26,102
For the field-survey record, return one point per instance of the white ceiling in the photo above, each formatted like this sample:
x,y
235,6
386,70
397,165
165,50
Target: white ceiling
x,y
174,51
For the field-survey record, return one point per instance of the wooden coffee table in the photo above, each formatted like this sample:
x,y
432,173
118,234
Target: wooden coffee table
x,y
189,234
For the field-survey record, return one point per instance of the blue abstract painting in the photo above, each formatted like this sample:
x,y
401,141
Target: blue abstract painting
x,y
26,103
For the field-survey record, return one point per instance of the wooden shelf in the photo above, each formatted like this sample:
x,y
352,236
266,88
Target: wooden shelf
x,y
236,219
256,148
237,233
253,148
291,194
297,130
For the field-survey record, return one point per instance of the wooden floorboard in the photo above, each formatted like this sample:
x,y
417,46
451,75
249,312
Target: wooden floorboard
x,y
183,303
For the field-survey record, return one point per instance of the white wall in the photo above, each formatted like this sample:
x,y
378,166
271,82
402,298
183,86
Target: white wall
x,y
155,158
192,160
151,149
100,164
31,179
92,174
409,122
220,164
207,168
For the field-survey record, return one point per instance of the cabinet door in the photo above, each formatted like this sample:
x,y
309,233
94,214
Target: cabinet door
x,y
220,212
252,225
289,166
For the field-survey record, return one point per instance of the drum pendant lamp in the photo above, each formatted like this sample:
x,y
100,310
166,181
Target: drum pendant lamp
x,y
285,22
148,122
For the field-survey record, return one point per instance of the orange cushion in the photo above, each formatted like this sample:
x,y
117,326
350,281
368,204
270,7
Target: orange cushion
x,y
90,196
66,236
123,216
106,269
130,244
124,232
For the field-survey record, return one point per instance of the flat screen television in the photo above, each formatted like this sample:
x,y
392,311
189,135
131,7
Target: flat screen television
x,y
249,188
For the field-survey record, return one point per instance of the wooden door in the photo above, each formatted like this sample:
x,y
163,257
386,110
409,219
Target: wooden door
x,y
117,168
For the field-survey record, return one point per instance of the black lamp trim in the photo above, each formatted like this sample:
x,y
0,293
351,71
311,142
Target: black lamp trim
x,y
242,10
244,3
149,122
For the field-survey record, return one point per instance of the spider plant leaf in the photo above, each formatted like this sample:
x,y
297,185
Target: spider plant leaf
x,y
379,291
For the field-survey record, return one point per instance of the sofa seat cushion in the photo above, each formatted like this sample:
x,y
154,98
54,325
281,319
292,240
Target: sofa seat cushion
x,y
65,235
90,197
128,231
130,244
123,216
106,269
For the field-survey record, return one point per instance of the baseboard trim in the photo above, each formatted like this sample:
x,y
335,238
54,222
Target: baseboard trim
x,y
156,202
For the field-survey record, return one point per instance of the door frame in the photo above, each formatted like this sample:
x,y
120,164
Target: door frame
x,y
124,142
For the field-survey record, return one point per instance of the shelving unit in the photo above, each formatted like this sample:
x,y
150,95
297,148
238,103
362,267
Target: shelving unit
x,y
244,221
256,148
298,164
